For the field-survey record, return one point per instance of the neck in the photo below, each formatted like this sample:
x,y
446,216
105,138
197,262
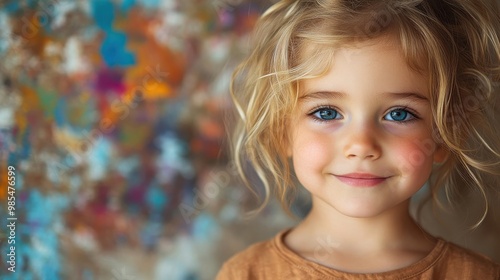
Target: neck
x,y
392,229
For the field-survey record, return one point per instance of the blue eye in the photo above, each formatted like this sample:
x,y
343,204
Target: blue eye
x,y
399,115
326,114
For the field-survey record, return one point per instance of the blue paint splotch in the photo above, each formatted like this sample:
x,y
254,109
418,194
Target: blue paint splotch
x,y
114,46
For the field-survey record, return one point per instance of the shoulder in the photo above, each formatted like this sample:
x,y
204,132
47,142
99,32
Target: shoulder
x,y
459,254
469,264
252,263
256,252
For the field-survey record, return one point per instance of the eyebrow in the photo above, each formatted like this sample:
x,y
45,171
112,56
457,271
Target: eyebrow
x,y
322,95
340,95
408,95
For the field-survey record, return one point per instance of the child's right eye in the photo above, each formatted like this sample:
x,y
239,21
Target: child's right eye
x,y
325,114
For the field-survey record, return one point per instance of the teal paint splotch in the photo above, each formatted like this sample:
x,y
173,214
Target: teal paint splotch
x,y
103,13
114,52
48,100
60,112
11,7
150,4
113,48
127,5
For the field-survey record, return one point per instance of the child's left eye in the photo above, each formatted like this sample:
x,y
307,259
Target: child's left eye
x,y
399,115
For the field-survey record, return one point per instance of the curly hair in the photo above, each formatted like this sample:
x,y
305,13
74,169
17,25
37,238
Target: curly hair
x,y
454,42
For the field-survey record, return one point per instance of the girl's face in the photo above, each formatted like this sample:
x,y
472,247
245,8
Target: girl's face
x,y
362,134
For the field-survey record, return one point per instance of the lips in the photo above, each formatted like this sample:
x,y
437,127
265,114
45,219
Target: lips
x,y
361,179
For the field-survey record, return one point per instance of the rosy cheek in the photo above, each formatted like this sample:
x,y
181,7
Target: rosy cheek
x,y
312,146
311,154
414,155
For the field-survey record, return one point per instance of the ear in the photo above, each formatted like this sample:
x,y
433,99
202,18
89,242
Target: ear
x,y
440,154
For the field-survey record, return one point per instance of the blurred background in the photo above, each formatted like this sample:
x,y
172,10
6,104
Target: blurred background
x,y
113,113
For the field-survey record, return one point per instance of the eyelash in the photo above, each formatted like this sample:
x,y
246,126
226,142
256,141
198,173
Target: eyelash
x,y
328,107
410,111
320,108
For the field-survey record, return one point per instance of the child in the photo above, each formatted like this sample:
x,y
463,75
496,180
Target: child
x,y
364,102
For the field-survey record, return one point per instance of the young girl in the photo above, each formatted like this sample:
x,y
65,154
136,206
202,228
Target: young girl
x,y
364,102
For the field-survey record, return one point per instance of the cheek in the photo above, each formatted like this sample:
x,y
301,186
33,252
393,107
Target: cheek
x,y
414,156
310,147
311,154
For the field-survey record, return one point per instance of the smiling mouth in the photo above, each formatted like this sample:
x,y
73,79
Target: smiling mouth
x,y
361,179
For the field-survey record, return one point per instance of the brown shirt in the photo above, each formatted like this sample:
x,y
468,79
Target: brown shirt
x,y
273,260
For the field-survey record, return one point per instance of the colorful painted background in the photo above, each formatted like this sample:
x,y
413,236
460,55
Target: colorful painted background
x,y
113,114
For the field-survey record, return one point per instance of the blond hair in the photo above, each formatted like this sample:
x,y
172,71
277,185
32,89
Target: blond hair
x,y
455,42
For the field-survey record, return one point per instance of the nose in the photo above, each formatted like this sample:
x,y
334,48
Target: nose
x,y
362,144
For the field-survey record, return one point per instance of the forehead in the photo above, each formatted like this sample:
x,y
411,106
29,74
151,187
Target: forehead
x,y
378,64
316,57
